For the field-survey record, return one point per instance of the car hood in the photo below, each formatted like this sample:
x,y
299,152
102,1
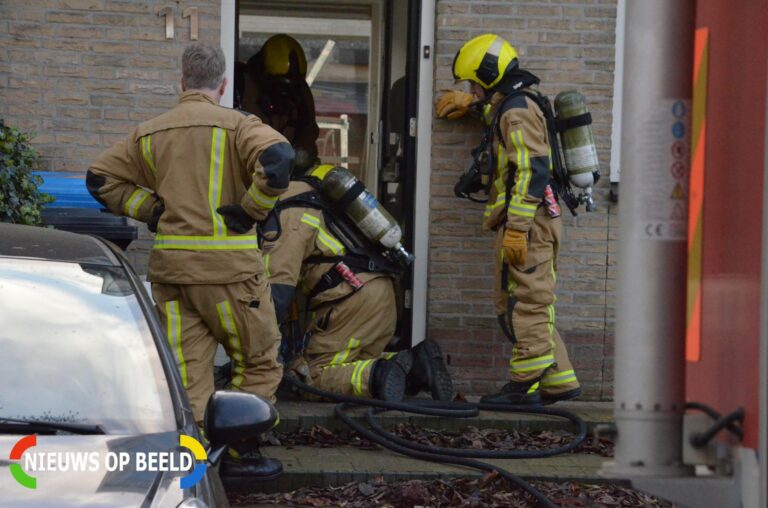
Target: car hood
x,y
80,471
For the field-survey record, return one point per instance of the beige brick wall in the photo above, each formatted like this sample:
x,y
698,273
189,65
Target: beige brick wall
x,y
569,44
82,73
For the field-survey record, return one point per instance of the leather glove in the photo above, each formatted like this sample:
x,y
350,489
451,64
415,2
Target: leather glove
x,y
236,218
157,211
515,246
454,104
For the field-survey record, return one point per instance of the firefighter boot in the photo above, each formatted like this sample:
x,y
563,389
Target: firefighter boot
x,y
249,466
559,397
429,372
388,376
516,394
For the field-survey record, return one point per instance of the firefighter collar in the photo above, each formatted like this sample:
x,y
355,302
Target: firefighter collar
x,y
195,96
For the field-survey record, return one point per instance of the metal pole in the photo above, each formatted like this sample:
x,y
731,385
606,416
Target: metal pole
x,y
650,366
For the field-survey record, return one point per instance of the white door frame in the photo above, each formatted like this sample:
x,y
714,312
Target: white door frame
x,y
423,172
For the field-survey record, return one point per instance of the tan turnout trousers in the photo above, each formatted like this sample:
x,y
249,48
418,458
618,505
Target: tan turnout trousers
x,y
348,336
538,351
239,316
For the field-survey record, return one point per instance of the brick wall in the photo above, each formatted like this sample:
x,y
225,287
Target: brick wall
x,y
569,44
82,73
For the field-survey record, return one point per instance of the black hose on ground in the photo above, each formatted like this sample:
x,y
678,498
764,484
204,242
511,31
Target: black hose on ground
x,y
382,437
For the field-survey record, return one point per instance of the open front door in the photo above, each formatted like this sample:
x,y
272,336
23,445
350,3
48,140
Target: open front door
x,y
363,64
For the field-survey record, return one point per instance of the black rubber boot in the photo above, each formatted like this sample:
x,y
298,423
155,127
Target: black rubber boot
x,y
387,380
551,398
517,394
429,372
249,466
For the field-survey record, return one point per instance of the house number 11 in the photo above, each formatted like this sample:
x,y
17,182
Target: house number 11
x,y
189,12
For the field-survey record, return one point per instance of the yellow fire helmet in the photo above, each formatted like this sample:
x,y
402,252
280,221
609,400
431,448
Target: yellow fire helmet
x,y
276,55
484,60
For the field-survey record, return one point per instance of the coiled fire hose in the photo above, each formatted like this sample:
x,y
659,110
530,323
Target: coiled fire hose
x,y
461,457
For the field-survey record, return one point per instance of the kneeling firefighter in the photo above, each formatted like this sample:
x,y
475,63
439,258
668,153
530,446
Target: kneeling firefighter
x,y
518,165
346,269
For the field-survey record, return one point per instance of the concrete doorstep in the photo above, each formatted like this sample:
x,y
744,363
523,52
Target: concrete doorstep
x,y
307,466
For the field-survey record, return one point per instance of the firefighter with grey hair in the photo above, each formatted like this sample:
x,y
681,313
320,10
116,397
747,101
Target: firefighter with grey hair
x,y
201,176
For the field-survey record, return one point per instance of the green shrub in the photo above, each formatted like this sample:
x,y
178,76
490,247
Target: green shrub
x,y
20,199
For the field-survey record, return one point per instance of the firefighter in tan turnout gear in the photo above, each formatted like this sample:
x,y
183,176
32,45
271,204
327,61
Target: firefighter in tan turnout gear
x,y
351,297
201,176
527,229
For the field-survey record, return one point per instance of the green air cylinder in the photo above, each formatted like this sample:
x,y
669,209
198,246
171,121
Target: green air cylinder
x,y
577,139
373,220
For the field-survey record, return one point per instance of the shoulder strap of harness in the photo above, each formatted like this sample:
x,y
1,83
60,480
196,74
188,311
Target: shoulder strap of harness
x,y
560,179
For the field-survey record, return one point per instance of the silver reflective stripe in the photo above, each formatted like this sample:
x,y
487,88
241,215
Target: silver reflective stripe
x,y
495,47
173,316
134,203
215,180
236,349
205,242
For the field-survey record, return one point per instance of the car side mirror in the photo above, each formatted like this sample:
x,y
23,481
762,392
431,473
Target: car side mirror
x,y
233,417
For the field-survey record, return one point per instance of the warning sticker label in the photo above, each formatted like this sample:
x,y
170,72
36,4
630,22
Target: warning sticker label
x,y
663,186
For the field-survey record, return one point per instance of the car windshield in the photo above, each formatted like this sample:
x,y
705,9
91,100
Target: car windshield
x,y
76,347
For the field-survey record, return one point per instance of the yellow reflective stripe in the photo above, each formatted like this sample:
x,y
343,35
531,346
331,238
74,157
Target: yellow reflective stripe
x,y
357,377
388,356
487,118
499,184
501,163
260,198
527,365
173,316
560,378
224,309
215,178
554,272
533,388
524,211
133,204
551,322
266,264
342,356
146,151
523,163
325,238
500,200
205,242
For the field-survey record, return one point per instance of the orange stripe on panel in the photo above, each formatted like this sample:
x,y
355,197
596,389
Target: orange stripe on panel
x,y
696,202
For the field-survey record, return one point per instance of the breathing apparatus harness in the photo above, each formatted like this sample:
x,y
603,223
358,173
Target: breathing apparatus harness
x,y
478,176
361,255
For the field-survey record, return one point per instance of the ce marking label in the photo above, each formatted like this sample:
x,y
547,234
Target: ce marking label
x,y
654,230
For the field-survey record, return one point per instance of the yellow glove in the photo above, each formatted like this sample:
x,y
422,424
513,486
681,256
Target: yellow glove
x,y
515,246
454,104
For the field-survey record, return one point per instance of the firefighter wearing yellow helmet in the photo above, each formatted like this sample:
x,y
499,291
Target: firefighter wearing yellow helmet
x,y
350,293
275,89
527,230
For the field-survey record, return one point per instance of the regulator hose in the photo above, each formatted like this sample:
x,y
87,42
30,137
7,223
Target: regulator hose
x,y
460,457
